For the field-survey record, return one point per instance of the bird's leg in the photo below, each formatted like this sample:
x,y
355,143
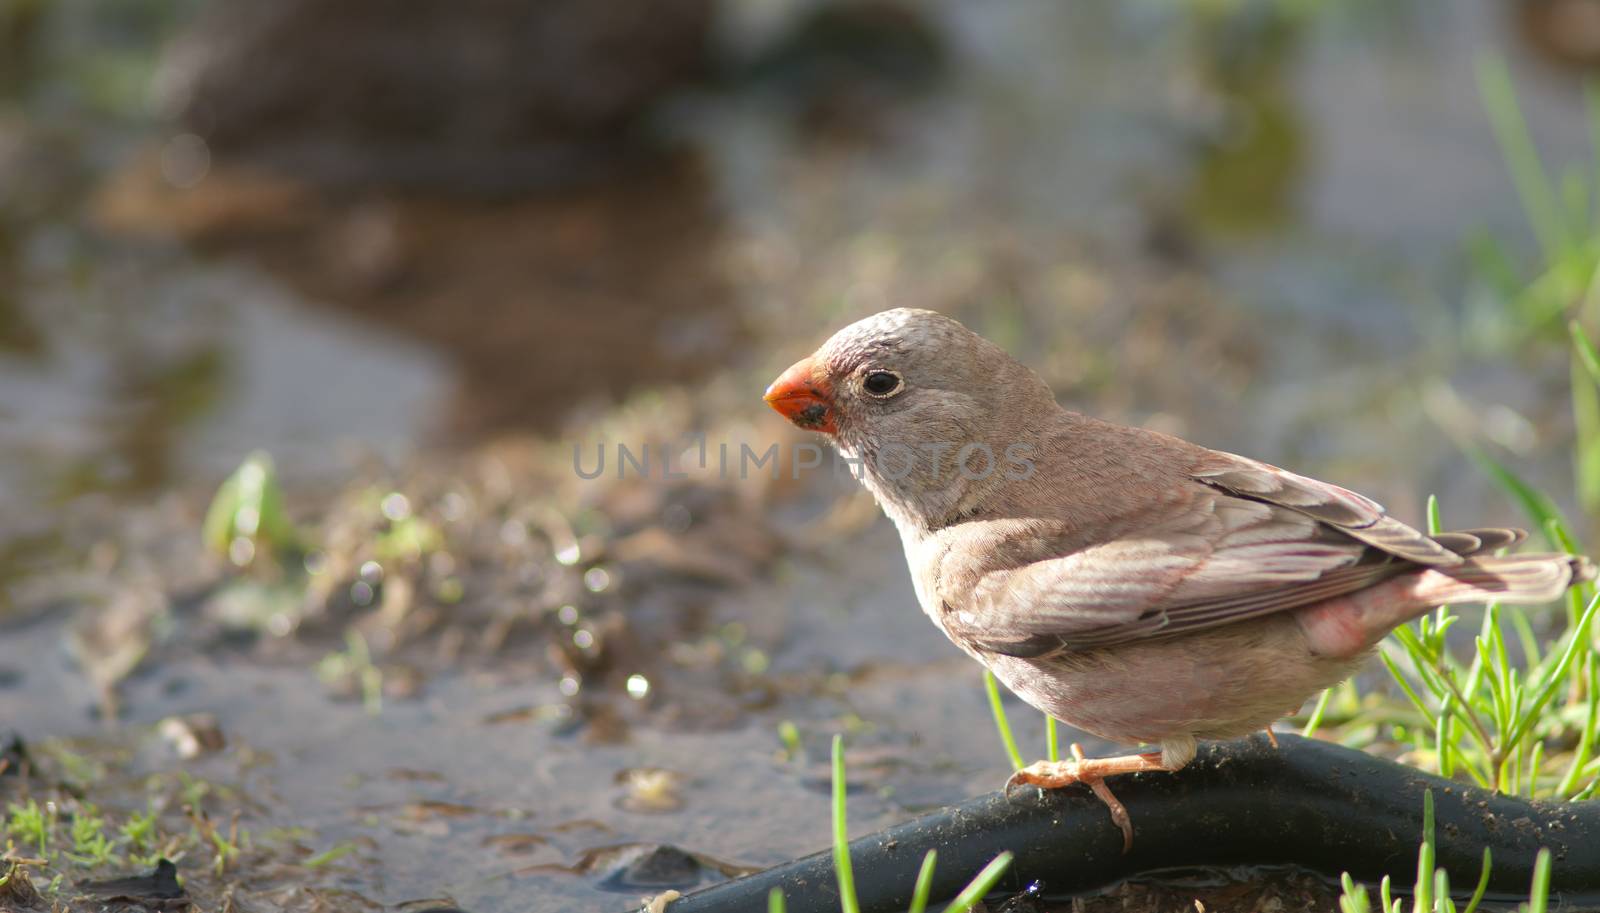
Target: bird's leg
x,y
1091,772
1271,736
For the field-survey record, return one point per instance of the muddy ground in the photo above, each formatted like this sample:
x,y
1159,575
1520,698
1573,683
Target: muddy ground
x,y
464,675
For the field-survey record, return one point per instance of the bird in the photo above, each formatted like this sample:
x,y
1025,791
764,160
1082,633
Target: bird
x,y
1129,583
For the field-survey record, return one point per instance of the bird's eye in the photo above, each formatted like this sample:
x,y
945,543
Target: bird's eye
x,y
882,383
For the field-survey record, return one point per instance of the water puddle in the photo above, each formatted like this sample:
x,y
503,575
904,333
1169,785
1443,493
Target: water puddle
x,y
489,684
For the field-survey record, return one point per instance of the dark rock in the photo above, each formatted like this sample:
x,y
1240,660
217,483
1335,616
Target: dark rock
x,y
479,95
14,758
656,868
844,66
158,890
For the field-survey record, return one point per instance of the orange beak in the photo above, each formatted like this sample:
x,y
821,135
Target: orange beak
x,y
803,398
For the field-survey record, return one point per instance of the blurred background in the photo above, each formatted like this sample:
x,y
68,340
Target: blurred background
x,y
414,252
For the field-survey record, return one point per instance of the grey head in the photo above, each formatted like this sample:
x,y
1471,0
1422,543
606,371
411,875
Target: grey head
x,y
928,410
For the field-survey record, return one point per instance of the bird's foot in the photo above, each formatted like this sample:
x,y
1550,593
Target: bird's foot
x,y
1091,772
1271,736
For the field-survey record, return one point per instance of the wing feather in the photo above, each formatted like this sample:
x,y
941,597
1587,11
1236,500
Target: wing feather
x,y
1355,515
1249,540
1215,553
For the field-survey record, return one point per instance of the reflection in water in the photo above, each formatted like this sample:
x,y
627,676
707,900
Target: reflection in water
x,y
155,400
19,28
1004,199
1565,32
841,66
542,303
1244,175
479,95
19,335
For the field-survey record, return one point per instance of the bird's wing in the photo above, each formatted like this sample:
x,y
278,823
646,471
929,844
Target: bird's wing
x,y
1354,515
1247,539
1217,559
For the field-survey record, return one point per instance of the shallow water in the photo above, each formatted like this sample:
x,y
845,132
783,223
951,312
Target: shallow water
x,y
1072,189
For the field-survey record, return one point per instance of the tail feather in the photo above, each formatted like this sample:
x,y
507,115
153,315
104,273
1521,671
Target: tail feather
x,y
1478,541
1517,578
1346,625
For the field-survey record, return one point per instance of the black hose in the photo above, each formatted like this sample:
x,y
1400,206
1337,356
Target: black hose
x,y
1312,804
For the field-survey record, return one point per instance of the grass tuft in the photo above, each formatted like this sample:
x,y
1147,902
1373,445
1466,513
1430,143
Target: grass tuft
x,y
975,890
924,885
841,839
1000,721
1431,892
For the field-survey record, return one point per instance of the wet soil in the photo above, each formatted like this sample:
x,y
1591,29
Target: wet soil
x,y
477,679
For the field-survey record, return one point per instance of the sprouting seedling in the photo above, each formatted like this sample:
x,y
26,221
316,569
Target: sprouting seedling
x,y
1354,896
1426,854
139,831
1002,724
981,884
1539,893
355,663
841,841
789,735
1431,892
924,885
1000,721
975,890
90,845
327,857
1488,716
247,518
29,824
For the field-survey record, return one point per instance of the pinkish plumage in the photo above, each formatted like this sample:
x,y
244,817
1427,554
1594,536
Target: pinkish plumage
x,y
1134,585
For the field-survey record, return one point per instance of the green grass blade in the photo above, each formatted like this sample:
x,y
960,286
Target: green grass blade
x,y
1525,636
1535,759
1052,741
1497,639
1353,898
1492,263
1591,100
1315,722
841,841
1562,537
1478,774
1425,856
1539,893
1535,503
919,894
1422,659
1400,679
981,885
1587,356
1586,738
1499,705
1483,883
1000,721
1522,159
1578,642
775,901
1586,426
1444,737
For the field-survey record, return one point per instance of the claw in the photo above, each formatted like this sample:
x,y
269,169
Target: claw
x,y
1119,812
1091,773
1046,775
